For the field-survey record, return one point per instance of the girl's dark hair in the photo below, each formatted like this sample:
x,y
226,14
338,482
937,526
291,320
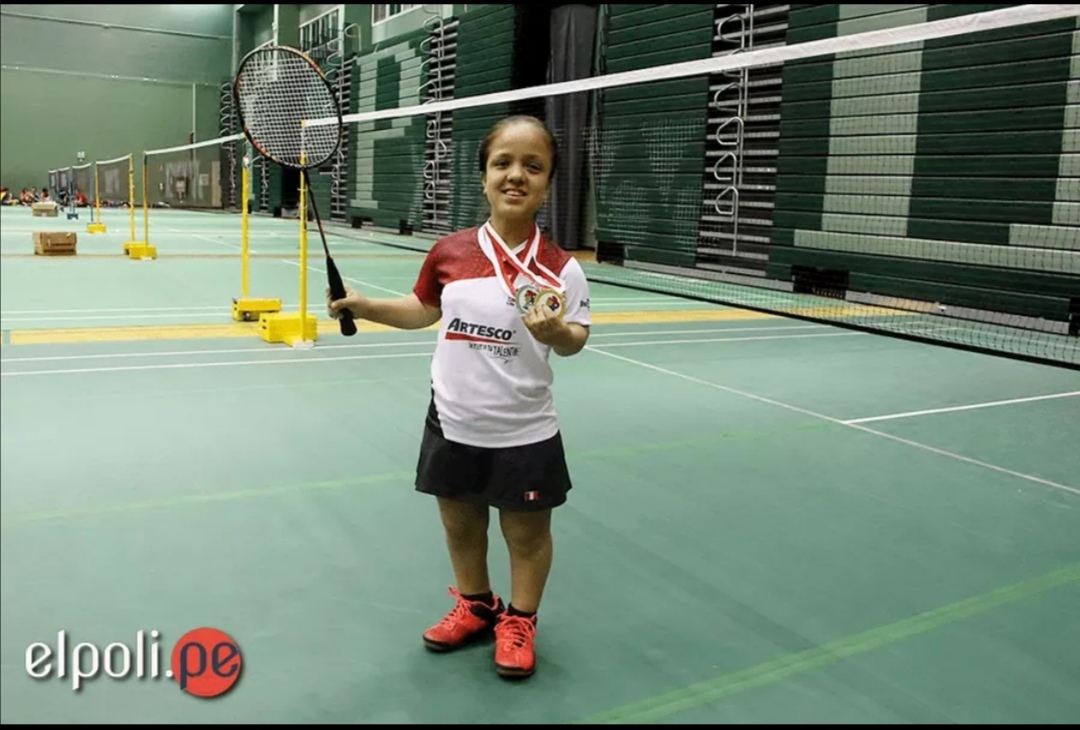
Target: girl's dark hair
x,y
485,146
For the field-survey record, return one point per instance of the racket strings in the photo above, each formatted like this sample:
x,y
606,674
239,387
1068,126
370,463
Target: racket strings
x,y
277,92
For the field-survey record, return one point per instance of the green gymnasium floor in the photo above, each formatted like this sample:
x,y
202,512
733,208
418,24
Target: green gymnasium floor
x,y
773,520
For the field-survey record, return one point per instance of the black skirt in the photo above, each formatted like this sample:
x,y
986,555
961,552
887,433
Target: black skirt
x,y
532,477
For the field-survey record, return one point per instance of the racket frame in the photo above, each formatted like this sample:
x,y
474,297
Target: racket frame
x,y
337,286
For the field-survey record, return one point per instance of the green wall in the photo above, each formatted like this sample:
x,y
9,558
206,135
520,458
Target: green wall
x,y
649,181
955,187
106,80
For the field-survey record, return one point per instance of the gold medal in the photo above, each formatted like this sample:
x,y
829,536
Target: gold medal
x,y
553,301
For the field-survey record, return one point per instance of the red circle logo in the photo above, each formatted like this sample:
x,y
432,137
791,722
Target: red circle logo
x,y
206,662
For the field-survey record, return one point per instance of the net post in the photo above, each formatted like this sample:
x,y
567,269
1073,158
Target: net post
x,y
146,198
245,186
95,225
247,308
299,330
72,207
132,240
304,192
142,250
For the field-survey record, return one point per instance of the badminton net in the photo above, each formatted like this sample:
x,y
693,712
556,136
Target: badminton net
x,y
875,168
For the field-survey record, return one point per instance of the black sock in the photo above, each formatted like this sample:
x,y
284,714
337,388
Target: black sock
x,y
511,611
487,598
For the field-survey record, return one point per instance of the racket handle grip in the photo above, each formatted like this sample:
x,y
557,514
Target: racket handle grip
x,y
337,291
348,325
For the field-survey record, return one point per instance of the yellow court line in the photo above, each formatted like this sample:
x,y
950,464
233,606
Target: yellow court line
x,y
62,335
139,333
135,333
209,256
75,257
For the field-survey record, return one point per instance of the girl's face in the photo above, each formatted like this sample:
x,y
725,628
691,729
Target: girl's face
x,y
517,177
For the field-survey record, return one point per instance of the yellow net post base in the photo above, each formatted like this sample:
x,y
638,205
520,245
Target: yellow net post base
x,y
249,309
285,327
141,251
95,228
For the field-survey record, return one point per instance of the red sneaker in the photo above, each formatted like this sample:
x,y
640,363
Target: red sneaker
x,y
466,622
515,655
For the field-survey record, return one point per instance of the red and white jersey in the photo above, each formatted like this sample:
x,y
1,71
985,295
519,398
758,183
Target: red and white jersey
x,y
491,378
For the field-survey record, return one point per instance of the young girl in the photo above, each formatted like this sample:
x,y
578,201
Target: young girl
x,y
507,297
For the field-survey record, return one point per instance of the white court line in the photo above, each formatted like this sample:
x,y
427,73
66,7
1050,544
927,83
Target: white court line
x,y
205,235
730,339
220,364
6,323
661,304
193,308
839,422
309,266
631,300
345,278
175,366
953,409
7,320
229,351
705,330
270,351
238,247
123,310
251,233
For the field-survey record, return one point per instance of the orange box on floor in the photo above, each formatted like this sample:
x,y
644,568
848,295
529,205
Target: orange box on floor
x,y
55,243
45,209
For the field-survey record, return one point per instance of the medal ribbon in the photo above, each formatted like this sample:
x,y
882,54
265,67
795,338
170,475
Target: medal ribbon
x,y
545,278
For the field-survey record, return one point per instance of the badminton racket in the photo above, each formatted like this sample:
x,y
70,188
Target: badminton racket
x,y
276,90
